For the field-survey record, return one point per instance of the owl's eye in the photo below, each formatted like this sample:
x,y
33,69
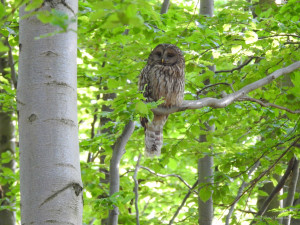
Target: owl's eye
x,y
158,54
170,55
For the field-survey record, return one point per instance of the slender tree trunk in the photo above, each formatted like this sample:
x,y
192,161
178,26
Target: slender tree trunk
x,y
207,7
205,176
114,177
205,165
103,121
165,7
7,217
50,178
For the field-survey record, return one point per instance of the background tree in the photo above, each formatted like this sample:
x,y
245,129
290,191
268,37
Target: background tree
x,y
50,179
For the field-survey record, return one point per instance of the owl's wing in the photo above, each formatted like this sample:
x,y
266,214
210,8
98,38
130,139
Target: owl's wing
x,y
144,81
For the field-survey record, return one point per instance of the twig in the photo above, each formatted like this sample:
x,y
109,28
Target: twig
x,y
292,189
114,178
254,181
240,192
11,64
168,175
183,202
212,85
280,35
276,189
239,67
136,191
229,99
268,104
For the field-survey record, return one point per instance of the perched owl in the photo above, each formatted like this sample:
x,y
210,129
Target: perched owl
x,y
162,77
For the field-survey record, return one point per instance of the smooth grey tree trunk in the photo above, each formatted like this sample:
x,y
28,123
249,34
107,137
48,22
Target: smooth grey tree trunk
x,y
205,176
50,178
7,217
114,176
205,164
165,6
207,7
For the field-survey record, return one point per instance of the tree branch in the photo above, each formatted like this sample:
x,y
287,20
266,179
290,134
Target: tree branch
x,y
136,186
239,67
114,178
276,189
254,181
183,202
168,175
292,189
11,64
229,99
267,104
240,193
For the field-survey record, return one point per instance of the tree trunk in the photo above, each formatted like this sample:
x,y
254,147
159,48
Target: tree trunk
x,y
165,7
50,178
205,165
7,217
207,7
205,176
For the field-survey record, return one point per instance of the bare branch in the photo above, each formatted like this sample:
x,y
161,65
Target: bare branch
x,y
254,181
292,189
212,85
11,64
136,186
239,67
276,189
183,202
229,99
167,175
240,192
119,150
267,104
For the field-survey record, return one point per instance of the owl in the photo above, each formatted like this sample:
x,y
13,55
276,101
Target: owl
x,y
162,78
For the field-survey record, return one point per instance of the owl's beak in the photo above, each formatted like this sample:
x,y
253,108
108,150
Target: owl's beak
x,y
162,60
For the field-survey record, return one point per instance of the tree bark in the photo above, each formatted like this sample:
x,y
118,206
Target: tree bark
x,y
50,178
207,7
114,176
205,176
165,7
205,164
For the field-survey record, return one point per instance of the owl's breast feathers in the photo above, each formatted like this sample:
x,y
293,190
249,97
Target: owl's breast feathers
x,y
168,83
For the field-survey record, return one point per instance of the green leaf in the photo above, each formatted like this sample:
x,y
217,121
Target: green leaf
x,y
34,4
141,107
2,10
236,49
250,37
3,48
44,16
205,193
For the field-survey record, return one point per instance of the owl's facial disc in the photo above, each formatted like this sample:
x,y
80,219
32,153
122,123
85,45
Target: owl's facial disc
x,y
157,56
169,57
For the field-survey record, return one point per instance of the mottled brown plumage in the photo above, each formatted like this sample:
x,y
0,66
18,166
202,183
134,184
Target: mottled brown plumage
x,y
162,77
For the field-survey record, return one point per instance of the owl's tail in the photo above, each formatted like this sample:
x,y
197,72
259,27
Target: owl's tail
x,y
154,136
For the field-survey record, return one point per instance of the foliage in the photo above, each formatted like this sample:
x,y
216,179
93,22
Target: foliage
x,y
114,41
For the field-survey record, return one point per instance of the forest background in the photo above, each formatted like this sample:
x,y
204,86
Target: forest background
x,y
253,140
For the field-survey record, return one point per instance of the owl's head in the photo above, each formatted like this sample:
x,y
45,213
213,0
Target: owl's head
x,y
166,54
